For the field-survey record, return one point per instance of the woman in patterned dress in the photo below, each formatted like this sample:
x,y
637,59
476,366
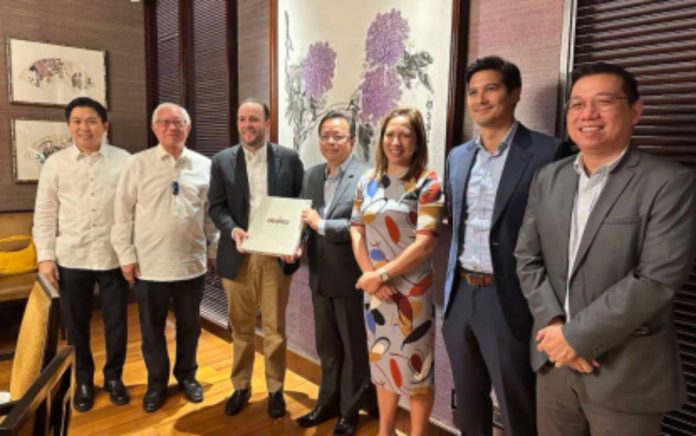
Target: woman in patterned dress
x,y
394,227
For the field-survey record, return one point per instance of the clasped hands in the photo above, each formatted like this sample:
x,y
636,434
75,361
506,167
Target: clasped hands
x,y
371,282
550,340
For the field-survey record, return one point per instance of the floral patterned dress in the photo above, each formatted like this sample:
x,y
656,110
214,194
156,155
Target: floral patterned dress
x,y
400,330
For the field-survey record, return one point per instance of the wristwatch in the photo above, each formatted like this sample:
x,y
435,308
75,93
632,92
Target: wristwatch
x,y
384,275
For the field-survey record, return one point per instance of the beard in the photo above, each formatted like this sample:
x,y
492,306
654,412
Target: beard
x,y
257,141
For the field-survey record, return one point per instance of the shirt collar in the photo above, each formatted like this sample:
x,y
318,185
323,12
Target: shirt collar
x,y
259,154
161,153
341,168
601,171
504,144
75,152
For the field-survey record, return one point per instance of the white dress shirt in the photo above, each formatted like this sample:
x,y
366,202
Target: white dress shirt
x,y
589,190
75,208
166,231
481,191
257,175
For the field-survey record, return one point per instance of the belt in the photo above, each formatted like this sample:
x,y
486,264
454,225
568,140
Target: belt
x,y
476,278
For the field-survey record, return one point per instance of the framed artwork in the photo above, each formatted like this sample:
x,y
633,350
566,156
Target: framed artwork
x,y
367,58
33,141
51,74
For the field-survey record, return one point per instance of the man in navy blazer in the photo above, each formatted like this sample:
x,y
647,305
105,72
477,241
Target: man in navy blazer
x,y
487,322
240,176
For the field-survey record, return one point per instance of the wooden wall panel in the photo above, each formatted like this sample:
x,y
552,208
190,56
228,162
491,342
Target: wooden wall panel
x,y
528,33
114,26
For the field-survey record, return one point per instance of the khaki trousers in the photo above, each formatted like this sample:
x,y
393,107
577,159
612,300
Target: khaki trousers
x,y
260,282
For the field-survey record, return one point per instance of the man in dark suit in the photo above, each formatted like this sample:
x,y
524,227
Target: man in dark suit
x,y
333,272
240,176
607,241
487,323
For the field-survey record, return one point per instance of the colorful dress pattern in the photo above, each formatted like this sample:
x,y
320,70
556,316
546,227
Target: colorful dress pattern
x,y
400,330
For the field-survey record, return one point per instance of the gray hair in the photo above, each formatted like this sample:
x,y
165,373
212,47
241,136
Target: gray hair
x,y
161,106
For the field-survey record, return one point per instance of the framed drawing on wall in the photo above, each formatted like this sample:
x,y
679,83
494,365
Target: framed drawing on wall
x,y
50,74
367,58
33,141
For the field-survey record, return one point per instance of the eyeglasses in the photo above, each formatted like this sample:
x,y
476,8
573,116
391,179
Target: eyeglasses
x,y
175,187
166,123
601,102
335,138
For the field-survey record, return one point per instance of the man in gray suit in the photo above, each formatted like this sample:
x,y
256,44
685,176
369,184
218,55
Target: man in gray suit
x,y
608,239
333,272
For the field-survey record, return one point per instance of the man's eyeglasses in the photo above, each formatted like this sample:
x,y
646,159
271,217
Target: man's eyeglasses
x,y
601,102
175,187
332,138
166,123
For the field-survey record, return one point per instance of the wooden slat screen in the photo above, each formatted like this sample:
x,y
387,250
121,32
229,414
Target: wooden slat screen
x,y
196,64
210,77
656,41
168,59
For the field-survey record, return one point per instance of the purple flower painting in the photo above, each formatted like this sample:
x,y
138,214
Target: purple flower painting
x,y
386,38
380,92
318,69
389,70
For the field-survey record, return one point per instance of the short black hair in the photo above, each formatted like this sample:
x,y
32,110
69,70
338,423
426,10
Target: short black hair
x,y
86,102
331,115
266,109
629,85
509,71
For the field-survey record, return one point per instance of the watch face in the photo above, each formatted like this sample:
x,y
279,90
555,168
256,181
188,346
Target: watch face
x,y
385,277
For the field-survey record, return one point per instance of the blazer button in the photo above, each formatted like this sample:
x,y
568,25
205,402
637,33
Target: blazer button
x,y
495,243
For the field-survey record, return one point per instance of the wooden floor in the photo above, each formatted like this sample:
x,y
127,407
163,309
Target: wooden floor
x,y
178,416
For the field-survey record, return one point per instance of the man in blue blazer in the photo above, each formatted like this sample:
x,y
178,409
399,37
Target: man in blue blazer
x,y
240,176
487,322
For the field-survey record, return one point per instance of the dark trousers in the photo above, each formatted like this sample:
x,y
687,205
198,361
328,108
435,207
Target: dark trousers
x,y
153,304
341,340
483,351
76,294
564,409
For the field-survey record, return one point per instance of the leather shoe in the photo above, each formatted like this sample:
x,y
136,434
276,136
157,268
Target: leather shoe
x,y
318,415
276,404
237,401
84,397
346,425
118,394
192,390
153,400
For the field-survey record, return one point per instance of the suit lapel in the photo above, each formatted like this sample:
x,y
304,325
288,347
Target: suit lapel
x,y
242,179
342,186
316,186
272,169
515,165
565,186
461,180
618,180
